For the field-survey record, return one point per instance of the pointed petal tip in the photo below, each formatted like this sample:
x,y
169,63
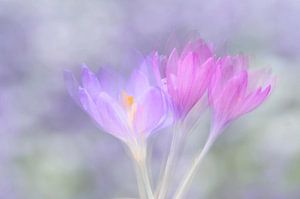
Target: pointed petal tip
x,y
84,68
67,74
173,52
66,71
81,91
84,65
268,89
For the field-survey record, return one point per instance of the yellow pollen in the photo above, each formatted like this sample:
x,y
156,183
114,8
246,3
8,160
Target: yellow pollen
x,y
130,105
128,100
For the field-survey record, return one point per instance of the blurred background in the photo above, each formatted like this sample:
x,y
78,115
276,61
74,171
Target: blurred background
x,y
50,149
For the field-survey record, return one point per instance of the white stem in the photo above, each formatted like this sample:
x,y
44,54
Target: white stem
x,y
171,159
191,172
146,180
140,183
143,180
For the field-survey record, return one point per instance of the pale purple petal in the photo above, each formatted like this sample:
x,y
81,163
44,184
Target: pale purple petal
x,y
158,69
72,86
90,82
151,111
111,82
113,117
106,113
138,83
88,104
154,67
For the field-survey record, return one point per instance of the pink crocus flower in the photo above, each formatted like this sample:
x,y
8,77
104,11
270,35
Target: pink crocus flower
x,y
130,112
185,76
235,90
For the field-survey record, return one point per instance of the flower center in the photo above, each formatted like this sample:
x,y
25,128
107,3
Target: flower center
x,y
130,105
128,100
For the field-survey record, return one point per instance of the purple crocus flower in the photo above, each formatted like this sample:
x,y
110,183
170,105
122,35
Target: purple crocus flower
x,y
235,90
186,76
130,112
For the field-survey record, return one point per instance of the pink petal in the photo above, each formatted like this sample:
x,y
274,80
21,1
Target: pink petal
x,y
185,73
215,87
173,89
172,63
202,78
255,99
201,50
232,65
260,77
230,97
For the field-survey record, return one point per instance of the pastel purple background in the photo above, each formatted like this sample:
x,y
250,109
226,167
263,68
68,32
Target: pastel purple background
x,y
50,149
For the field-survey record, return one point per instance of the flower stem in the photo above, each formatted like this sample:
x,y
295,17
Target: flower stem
x,y
146,180
164,182
191,172
143,180
142,192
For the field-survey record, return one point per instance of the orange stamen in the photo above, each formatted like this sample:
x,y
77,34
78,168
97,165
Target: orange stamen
x,y
128,100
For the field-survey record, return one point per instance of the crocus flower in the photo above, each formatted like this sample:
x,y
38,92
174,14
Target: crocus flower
x,y
130,112
235,90
185,76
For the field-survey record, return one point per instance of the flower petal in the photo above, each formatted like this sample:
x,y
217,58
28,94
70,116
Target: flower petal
x,y
138,83
88,104
172,63
255,99
151,111
106,112
201,50
261,78
198,87
90,82
111,82
156,69
72,86
113,116
186,74
231,66
231,96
